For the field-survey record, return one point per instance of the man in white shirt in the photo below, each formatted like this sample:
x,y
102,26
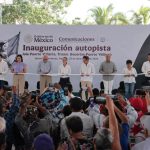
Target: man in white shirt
x,y
64,70
146,69
3,70
76,105
87,70
145,145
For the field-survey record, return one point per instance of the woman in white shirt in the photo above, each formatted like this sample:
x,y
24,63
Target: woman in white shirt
x,y
129,79
64,70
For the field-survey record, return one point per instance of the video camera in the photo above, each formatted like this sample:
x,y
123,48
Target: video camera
x,y
102,100
142,90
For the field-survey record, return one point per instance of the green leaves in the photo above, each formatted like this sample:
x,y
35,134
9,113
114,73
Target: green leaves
x,y
106,16
35,11
142,16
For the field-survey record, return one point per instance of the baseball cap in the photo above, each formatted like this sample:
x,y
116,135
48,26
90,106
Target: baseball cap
x,y
43,142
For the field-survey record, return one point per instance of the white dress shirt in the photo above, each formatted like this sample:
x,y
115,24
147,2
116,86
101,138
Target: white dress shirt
x,y
64,70
130,79
145,145
87,124
146,68
3,69
87,71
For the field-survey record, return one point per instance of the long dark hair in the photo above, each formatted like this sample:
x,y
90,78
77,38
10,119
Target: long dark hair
x,y
20,57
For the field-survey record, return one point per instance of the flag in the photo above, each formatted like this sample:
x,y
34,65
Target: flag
x,y
11,46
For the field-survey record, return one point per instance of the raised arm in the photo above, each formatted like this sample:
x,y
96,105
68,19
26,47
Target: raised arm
x,y
121,115
113,124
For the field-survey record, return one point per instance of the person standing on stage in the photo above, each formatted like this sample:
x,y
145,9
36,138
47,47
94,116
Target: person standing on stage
x,y
64,70
87,69
19,69
129,79
146,70
108,67
3,70
44,68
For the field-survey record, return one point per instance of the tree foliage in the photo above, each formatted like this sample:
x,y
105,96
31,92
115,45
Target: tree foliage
x,y
142,16
35,11
106,16
53,12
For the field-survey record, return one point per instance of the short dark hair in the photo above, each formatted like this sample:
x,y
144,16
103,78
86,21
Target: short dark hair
x,y
20,57
69,86
129,61
76,104
1,55
67,110
95,92
148,53
75,124
86,57
65,58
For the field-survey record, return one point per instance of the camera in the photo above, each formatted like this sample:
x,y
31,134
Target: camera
x,y
7,88
102,100
34,94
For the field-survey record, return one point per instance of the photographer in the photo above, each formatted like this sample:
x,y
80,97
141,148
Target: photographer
x,y
128,109
108,139
94,108
28,122
9,116
53,97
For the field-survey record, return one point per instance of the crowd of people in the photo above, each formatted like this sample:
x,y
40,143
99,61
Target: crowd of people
x,y
53,118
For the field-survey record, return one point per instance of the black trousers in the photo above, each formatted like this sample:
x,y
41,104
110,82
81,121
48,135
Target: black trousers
x,y
64,81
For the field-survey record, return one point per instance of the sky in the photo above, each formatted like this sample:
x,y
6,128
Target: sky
x,y
79,8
